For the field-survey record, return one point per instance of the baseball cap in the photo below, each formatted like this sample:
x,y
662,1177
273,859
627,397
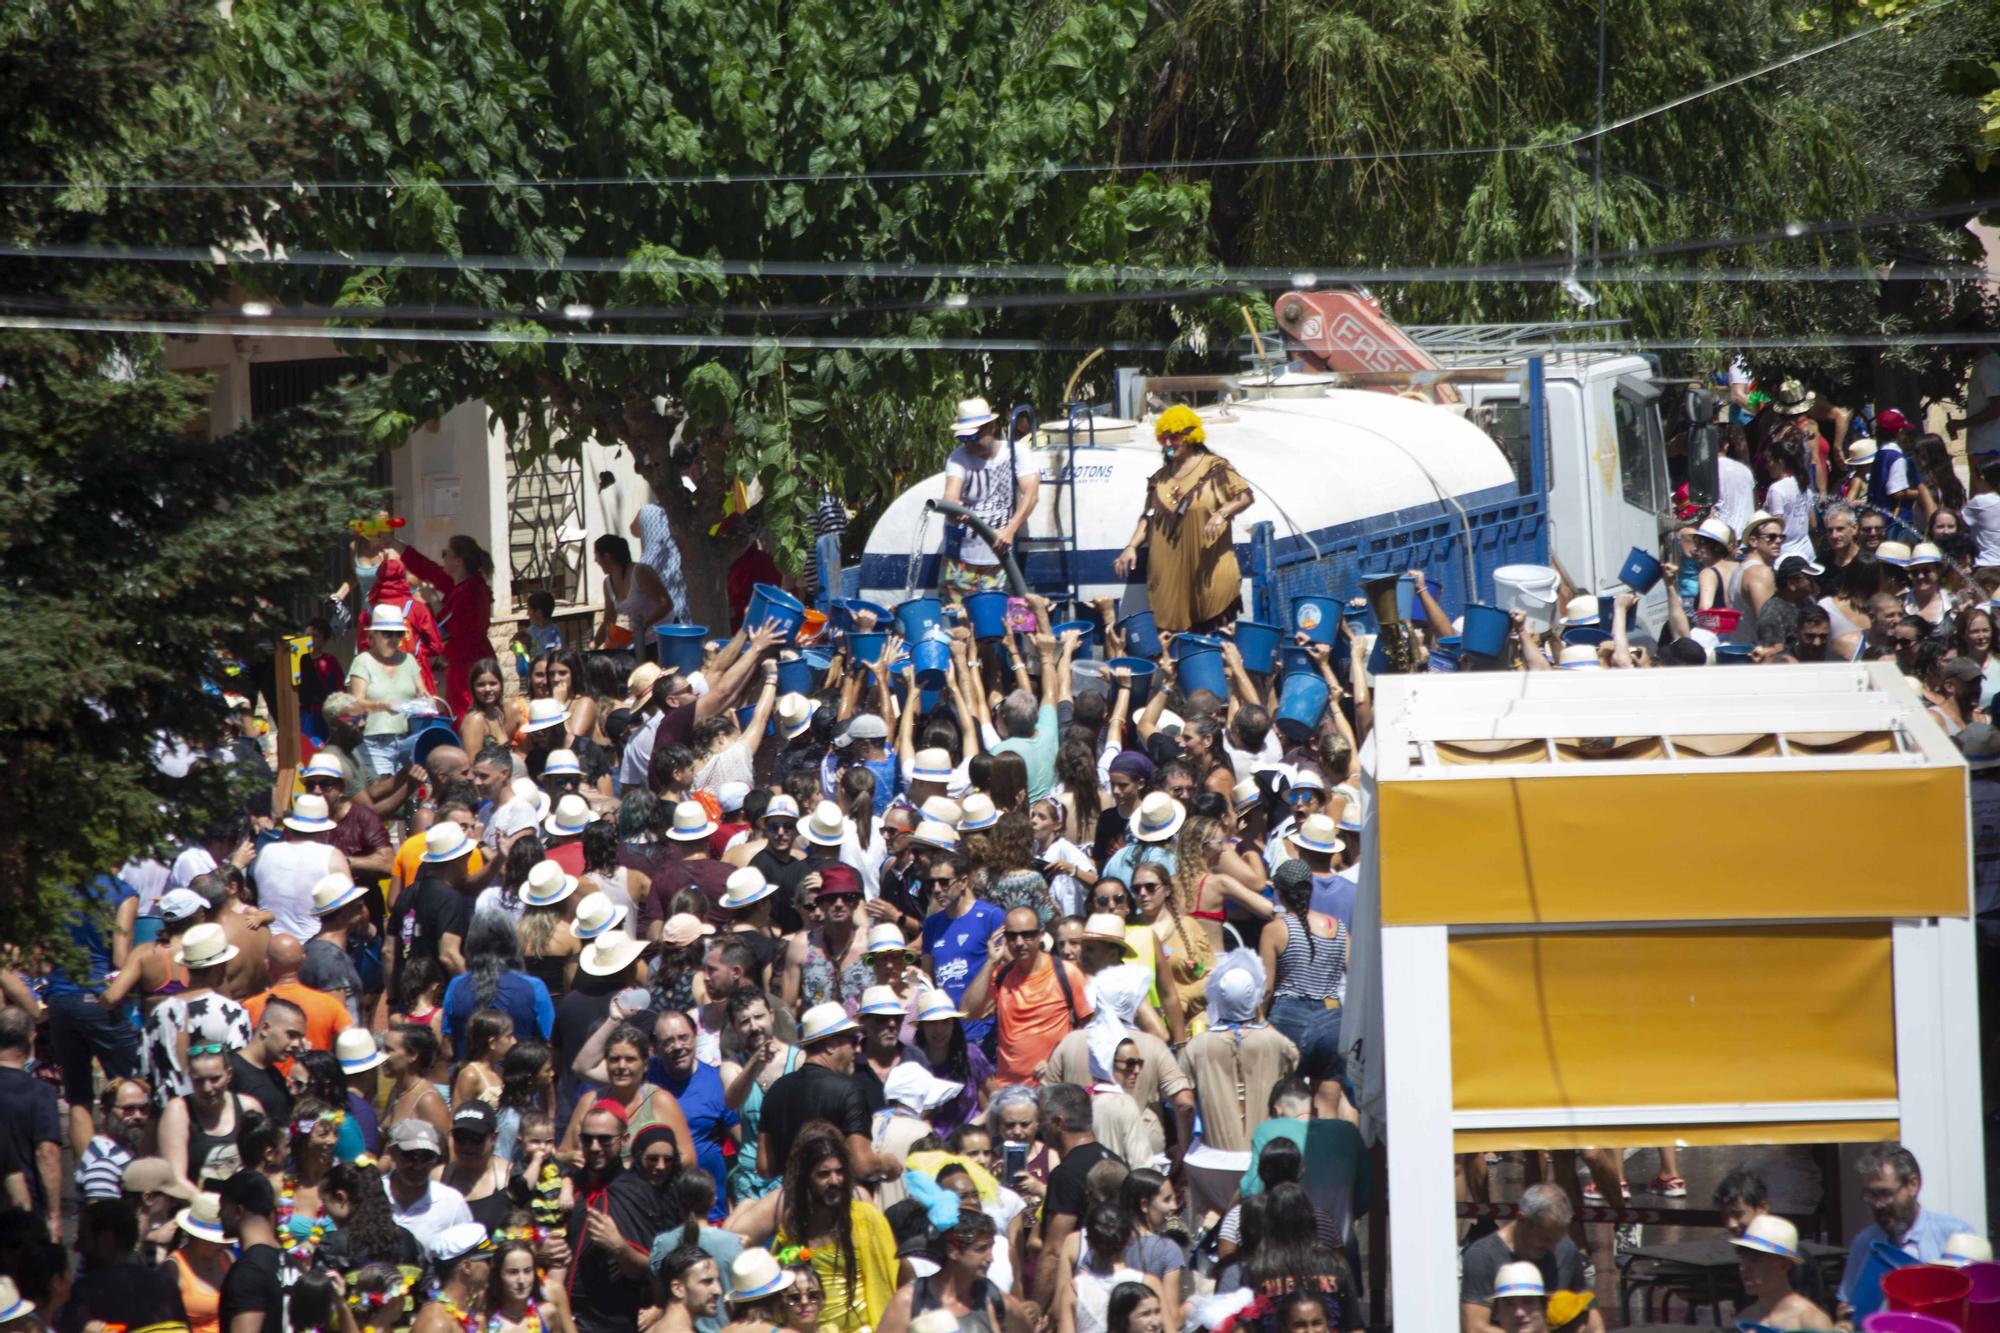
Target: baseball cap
x,y
250,1191
180,904
474,1116
415,1135
1962,668
867,727
152,1175
1798,564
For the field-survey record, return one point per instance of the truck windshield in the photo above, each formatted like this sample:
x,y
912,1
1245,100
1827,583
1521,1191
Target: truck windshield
x,y
1640,467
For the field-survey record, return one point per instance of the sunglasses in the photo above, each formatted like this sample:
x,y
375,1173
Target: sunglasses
x,y
796,1296
942,881
208,1048
1024,934
1111,900
1128,1064
469,1136
418,1156
597,1138
839,897
314,784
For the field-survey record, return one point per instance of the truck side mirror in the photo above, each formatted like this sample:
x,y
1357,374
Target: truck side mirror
x,y
1704,447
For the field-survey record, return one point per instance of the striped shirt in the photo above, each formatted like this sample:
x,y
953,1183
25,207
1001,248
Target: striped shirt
x,y
658,549
101,1173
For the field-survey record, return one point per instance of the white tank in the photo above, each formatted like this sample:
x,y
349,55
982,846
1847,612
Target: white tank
x,y
1326,467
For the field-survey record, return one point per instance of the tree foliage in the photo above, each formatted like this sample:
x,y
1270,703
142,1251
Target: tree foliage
x,y
136,554
949,97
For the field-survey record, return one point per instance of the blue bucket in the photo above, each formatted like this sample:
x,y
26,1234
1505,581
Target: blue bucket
x,y
1639,572
895,668
1407,604
1258,644
1089,632
1184,644
1444,654
932,658
1296,661
1200,665
1318,618
769,603
1881,1260
927,701
795,675
1586,636
919,616
430,734
1734,654
1142,676
1300,707
1142,637
680,645
865,646
743,716
989,614
1485,631
819,660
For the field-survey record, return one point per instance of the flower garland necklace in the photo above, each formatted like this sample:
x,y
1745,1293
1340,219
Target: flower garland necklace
x,y
533,1314
301,1250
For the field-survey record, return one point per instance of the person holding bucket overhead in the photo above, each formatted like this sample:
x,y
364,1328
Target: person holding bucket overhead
x,y
1192,579
999,492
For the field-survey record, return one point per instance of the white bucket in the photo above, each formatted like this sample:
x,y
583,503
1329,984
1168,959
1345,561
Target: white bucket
x,y
1532,590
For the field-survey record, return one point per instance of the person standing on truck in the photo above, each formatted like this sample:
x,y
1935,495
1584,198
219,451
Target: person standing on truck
x,y
989,482
1193,584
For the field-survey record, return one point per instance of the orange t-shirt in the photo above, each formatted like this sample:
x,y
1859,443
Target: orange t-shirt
x,y
325,1014
1034,1017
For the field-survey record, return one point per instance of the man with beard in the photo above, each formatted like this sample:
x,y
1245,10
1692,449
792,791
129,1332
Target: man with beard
x,y
853,1249
1890,1182
696,1086
123,1109
618,1212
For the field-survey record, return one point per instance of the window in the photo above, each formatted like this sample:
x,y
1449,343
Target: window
x,y
1638,428
1507,423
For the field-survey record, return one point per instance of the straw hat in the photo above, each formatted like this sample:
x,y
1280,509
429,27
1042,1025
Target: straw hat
x,y
1925,553
1893,553
205,946
387,618
309,815
795,714
684,928
754,1274
323,765
12,1307
1158,818
1319,834
781,807
595,915
746,887
935,1004
562,764
153,1175
691,823
1576,655
1518,1279
942,809
932,833
446,840
1966,1247
886,938
1771,1234
610,953
828,827
202,1219
569,819
973,413
1793,399
883,1002
823,1021
524,789
932,765
977,813
356,1050
1245,795
1861,452
334,892
1306,779
1715,530
1581,611
1108,928
640,682
548,884
545,713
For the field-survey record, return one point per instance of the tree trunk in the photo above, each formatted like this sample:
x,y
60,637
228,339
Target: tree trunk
x,y
692,515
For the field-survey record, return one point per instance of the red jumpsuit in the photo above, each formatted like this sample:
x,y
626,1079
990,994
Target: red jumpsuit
x,y
466,613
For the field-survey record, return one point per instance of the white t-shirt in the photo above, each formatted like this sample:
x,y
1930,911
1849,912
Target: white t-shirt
x,y
1983,389
1789,500
441,1207
988,492
1982,519
1067,891
149,877
193,862
1735,499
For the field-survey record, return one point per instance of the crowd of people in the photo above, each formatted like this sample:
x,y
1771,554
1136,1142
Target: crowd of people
x,y
657,998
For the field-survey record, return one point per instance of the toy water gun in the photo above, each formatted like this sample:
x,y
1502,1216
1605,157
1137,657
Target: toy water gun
x,y
374,527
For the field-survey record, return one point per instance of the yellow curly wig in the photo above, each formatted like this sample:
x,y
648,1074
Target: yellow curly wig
x,y
1179,417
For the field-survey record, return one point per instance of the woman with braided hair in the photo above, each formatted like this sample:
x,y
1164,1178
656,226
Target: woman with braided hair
x,y
1193,583
1305,956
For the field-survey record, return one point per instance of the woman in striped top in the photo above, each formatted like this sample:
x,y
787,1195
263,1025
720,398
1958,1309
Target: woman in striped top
x,y
1305,959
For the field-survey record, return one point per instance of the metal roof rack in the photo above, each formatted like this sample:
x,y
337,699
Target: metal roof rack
x,y
1453,344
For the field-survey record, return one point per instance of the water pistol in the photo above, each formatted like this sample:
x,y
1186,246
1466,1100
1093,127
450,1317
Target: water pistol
x,y
374,527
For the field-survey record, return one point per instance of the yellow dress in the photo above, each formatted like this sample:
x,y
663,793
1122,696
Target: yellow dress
x,y
874,1272
1190,581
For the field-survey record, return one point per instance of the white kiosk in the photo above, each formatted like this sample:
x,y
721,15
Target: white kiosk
x,y
1581,918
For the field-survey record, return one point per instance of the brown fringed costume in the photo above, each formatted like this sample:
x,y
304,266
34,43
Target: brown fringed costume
x,y
1191,585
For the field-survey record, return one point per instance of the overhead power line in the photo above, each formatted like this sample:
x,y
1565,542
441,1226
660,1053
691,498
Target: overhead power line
x,y
991,170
